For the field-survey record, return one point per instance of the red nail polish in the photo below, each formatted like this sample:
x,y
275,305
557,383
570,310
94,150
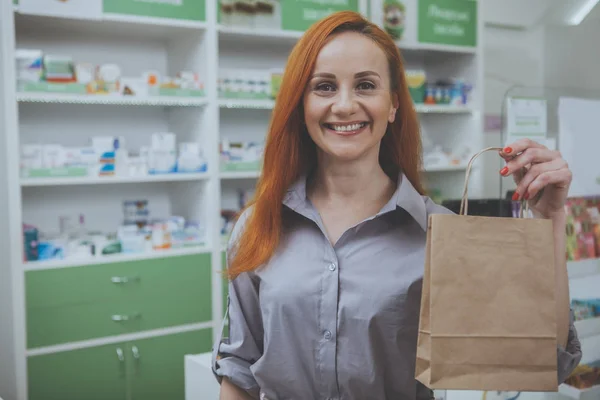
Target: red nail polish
x,y
515,196
526,196
504,171
508,150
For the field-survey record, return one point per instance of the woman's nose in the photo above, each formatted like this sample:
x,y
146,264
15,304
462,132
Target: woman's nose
x,y
344,103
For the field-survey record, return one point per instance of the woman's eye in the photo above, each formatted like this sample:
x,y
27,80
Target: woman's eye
x,y
366,86
325,87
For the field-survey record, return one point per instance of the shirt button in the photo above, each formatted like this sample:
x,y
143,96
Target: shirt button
x,y
332,267
327,335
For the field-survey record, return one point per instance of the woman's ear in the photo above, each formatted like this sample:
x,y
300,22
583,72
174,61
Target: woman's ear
x,y
394,108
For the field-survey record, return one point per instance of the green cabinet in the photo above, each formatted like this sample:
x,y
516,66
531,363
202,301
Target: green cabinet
x,y
79,303
158,371
146,369
97,373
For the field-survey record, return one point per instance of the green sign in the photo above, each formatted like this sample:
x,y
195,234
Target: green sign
x,y
451,22
193,10
298,15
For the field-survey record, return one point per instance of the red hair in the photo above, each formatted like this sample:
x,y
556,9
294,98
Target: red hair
x,y
290,152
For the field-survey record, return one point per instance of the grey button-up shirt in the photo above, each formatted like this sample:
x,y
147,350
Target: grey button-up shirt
x,y
336,322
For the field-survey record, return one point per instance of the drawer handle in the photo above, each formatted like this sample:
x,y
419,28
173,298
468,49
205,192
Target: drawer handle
x,y
124,279
121,317
136,356
121,358
135,352
120,355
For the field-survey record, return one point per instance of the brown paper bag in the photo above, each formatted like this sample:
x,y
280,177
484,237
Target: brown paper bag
x,y
488,310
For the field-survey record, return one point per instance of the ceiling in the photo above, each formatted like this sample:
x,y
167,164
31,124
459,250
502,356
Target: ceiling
x,y
526,14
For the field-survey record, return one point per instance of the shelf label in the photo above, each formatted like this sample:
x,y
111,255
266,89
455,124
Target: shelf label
x,y
191,10
299,15
448,22
85,9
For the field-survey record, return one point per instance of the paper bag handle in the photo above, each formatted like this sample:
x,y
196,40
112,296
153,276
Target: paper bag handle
x,y
464,204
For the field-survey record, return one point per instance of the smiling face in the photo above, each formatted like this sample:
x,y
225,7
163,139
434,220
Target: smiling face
x,y
348,102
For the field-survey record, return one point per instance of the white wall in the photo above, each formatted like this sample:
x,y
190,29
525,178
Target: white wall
x,y
511,57
572,56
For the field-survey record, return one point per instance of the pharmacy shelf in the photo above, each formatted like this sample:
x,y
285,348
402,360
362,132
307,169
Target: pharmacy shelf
x,y
262,34
87,180
583,268
442,109
256,174
240,175
571,392
112,25
269,104
115,258
247,104
426,47
158,101
151,21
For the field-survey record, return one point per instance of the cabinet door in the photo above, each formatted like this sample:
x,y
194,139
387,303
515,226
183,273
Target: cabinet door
x,y
156,370
72,304
97,373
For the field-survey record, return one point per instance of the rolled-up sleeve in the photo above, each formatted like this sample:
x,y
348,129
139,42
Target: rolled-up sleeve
x,y
233,356
569,357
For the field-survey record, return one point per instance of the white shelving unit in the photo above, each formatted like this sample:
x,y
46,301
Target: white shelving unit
x,y
136,44
117,258
139,44
60,98
179,177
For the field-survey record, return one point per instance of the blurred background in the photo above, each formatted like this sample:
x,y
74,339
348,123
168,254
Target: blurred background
x,y
132,133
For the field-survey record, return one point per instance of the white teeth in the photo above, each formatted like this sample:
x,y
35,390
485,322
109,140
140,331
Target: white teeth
x,y
348,128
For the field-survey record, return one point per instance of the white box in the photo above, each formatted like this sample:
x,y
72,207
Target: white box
x,y
31,156
53,156
200,382
163,141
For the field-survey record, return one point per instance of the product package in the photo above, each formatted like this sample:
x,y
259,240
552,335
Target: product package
x,y
489,311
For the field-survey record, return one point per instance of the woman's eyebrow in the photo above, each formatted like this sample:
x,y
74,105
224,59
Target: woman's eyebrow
x,y
357,75
366,73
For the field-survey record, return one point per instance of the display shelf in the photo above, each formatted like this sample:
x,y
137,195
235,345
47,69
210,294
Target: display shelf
x,y
265,34
113,24
269,104
176,24
99,180
247,104
115,258
442,109
571,392
583,268
158,101
240,175
256,174
426,47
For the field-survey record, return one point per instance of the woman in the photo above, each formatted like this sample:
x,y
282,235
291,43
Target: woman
x,y
327,262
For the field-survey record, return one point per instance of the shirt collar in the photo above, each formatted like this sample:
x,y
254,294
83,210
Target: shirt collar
x,y
405,197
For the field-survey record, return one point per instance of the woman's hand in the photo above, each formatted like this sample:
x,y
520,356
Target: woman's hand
x,y
542,176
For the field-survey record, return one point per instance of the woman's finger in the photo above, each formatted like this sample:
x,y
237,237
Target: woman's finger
x,y
533,172
519,146
529,156
561,178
